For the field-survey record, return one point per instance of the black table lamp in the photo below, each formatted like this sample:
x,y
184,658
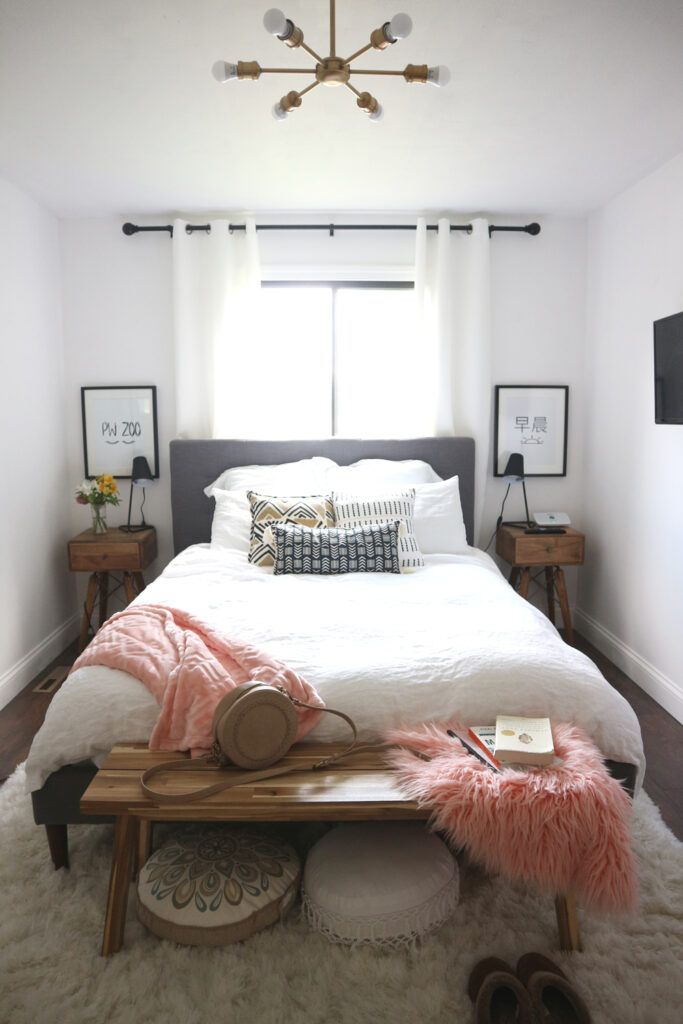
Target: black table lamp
x,y
140,476
514,474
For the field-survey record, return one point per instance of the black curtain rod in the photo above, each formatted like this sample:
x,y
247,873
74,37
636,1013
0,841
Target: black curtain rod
x,y
134,229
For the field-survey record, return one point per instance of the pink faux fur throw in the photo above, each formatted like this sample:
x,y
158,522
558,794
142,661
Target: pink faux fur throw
x,y
565,828
188,667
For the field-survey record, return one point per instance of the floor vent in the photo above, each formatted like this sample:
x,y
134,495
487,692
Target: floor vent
x,y
51,680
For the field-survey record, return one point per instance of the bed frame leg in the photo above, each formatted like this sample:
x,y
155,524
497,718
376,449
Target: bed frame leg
x,y
58,841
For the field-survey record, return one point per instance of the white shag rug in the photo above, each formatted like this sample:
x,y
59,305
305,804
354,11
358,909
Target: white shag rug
x,y
631,971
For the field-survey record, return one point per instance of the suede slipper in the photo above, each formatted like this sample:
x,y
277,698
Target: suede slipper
x,y
554,998
498,995
531,963
480,971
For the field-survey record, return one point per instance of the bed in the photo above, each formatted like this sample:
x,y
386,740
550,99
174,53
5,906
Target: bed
x,y
451,638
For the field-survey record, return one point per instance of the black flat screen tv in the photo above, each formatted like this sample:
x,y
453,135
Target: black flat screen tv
x,y
669,369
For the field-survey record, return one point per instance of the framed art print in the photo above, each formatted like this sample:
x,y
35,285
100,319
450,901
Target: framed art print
x,y
532,420
118,424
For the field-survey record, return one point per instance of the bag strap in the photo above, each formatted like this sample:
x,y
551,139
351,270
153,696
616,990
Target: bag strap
x,y
209,762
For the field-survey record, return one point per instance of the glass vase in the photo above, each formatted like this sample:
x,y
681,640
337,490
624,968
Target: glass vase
x,y
99,518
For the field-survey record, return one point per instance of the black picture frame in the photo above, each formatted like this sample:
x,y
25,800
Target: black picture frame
x,y
147,446
501,429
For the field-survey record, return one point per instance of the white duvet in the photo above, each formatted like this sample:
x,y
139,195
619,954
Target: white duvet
x,y
450,639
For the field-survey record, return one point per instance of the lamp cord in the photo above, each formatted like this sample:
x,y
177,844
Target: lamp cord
x,y
499,520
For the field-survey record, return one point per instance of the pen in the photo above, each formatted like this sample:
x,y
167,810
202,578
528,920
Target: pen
x,y
471,750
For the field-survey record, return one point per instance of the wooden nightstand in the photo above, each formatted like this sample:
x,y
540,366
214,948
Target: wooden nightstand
x,y
105,553
549,551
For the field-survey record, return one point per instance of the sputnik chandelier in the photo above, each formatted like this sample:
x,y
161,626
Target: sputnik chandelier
x,y
331,70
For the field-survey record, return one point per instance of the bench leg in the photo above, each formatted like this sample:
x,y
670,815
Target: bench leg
x,y
568,924
125,838
143,847
58,841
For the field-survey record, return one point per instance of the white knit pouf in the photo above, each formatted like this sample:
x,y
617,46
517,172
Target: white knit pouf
x,y
379,884
215,886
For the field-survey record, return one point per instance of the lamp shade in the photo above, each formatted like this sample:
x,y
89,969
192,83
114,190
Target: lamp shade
x,y
514,471
141,474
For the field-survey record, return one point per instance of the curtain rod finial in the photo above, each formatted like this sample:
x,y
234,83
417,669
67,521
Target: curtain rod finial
x,y
533,229
129,229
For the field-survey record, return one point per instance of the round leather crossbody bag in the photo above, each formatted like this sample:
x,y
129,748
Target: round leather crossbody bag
x,y
254,726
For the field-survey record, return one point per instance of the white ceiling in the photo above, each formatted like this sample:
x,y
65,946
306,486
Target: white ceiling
x,y
108,106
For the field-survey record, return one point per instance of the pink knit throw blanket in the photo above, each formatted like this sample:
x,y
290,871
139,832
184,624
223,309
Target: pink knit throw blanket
x,y
565,828
188,667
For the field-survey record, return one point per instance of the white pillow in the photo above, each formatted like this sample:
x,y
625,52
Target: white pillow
x,y
353,510
231,524
381,474
439,523
307,476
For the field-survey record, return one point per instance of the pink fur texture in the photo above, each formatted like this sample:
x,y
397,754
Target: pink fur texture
x,y
565,828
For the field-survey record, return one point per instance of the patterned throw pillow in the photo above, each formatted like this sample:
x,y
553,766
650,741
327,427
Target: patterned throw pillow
x,y
266,510
362,509
302,549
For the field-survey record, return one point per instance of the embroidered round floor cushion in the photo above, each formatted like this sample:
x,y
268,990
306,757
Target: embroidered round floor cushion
x,y
379,884
214,887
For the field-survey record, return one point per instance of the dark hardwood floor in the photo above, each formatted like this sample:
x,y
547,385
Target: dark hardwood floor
x,y
662,734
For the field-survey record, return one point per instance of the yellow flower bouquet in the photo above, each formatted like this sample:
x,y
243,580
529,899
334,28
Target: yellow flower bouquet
x,y
99,493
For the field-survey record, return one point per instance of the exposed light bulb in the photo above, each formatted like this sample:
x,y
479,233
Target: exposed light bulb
x,y
376,115
439,75
222,71
275,22
399,27
279,113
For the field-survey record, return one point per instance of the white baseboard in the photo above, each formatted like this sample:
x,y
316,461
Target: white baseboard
x,y
17,676
660,687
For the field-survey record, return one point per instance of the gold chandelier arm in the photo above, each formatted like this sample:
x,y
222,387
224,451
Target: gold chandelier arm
x,y
352,88
333,29
316,57
308,88
287,71
374,71
353,56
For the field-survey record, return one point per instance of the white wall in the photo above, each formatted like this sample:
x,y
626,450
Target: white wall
x,y
37,594
631,589
118,326
118,330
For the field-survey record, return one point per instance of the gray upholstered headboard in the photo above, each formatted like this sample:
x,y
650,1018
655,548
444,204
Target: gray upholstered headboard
x,y
194,464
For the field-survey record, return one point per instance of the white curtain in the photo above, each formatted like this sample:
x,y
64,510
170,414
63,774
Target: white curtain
x,y
452,289
216,283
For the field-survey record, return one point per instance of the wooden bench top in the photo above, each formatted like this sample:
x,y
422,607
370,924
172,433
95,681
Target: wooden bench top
x,y
361,788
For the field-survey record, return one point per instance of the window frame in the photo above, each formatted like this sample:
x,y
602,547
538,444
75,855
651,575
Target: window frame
x,y
335,286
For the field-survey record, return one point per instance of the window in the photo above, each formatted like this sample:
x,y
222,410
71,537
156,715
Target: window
x,y
340,359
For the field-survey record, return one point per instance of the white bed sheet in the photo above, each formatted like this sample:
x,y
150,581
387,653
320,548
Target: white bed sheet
x,y
450,639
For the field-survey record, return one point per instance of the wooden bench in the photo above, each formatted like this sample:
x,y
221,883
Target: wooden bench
x,y
361,788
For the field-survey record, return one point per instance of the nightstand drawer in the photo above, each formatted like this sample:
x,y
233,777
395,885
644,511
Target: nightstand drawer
x,y
88,559
519,548
113,550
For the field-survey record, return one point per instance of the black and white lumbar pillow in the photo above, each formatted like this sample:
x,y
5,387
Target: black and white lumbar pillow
x,y
267,509
330,551
362,509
